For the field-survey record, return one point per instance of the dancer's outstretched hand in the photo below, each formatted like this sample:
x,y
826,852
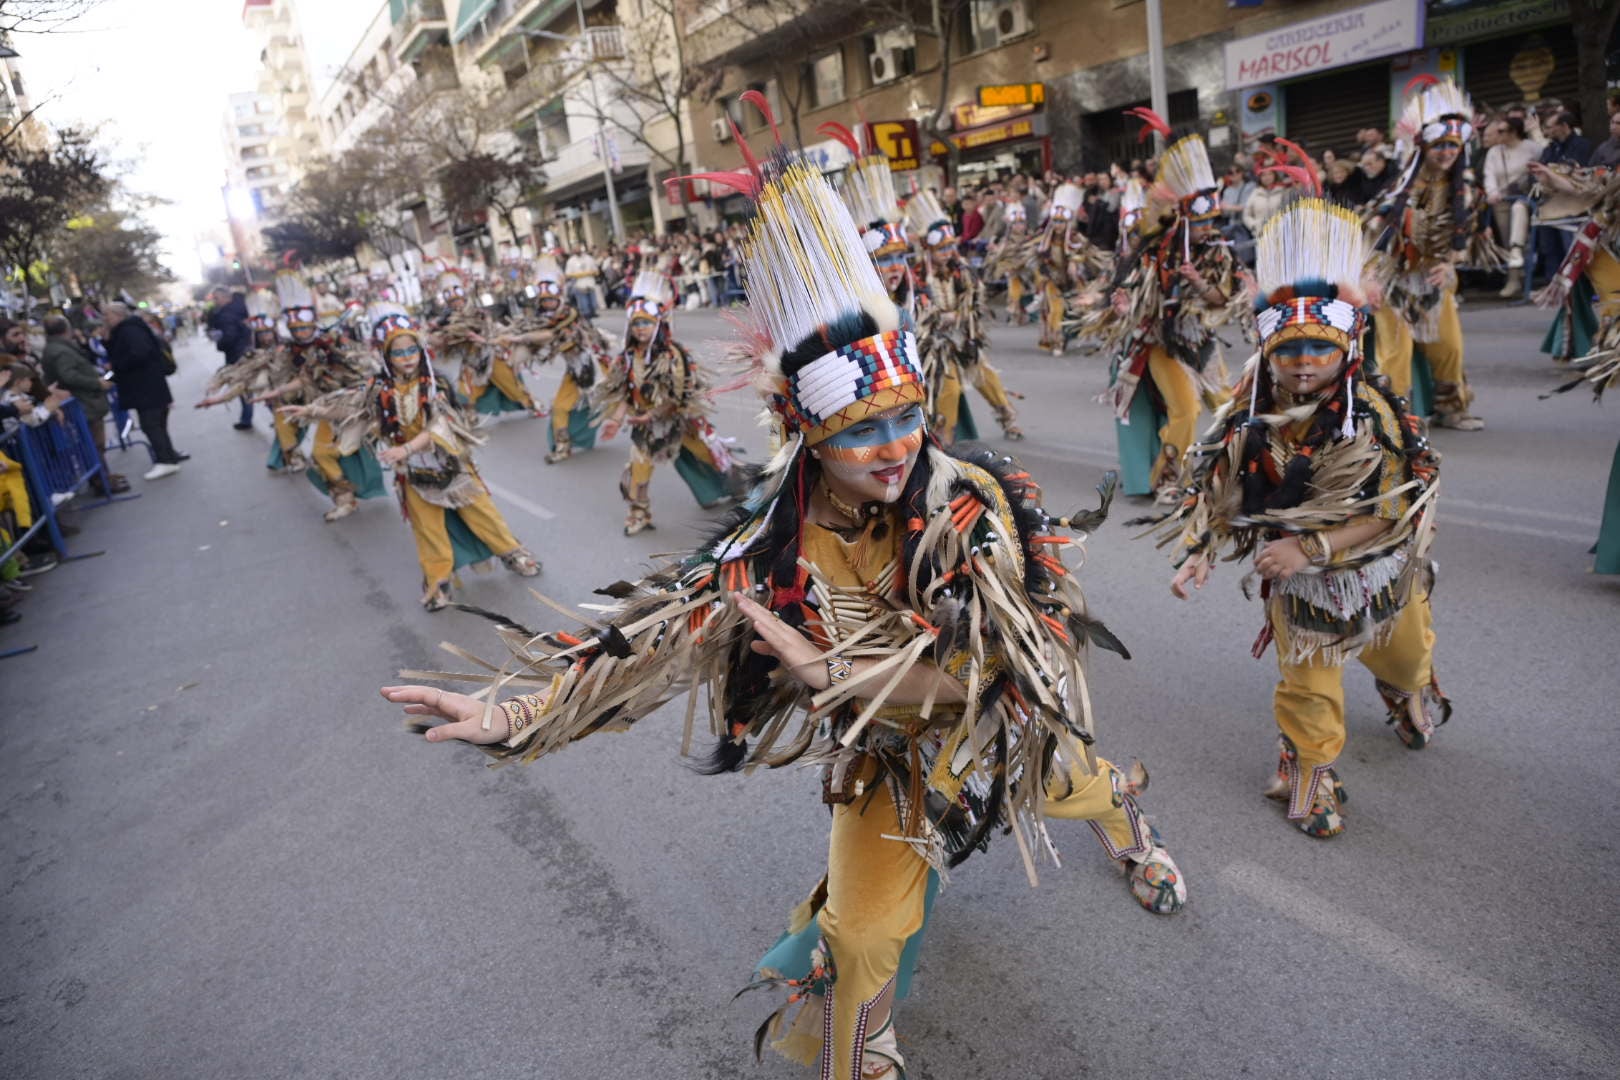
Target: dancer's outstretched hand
x,y
1195,570
463,716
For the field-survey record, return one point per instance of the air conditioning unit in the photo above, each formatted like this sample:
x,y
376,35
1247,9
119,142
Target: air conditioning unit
x,y
1012,19
887,54
722,130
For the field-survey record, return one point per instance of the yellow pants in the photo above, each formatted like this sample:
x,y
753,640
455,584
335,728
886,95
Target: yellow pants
x,y
14,492
987,381
635,484
875,890
327,457
1015,297
433,548
287,433
1179,391
1445,355
504,379
1604,273
1052,317
1309,700
565,402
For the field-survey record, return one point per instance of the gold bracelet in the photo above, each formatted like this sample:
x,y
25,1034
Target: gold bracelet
x,y
1316,548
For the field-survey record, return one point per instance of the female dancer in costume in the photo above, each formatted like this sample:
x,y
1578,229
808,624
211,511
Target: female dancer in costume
x,y
949,319
1172,290
1423,228
656,386
915,603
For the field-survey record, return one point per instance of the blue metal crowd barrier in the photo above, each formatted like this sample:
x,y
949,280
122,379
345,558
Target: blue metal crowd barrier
x,y
58,460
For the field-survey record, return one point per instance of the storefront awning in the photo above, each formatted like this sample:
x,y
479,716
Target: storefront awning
x,y
467,18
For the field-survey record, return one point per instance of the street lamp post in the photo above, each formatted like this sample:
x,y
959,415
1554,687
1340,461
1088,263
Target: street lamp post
x,y
584,42
1156,81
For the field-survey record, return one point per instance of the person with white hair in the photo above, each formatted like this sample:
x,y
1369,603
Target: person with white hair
x,y
140,369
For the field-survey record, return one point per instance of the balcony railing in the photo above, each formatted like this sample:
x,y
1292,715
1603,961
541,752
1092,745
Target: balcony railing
x,y
420,18
579,159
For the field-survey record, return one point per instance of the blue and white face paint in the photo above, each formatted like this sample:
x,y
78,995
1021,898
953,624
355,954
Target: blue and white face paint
x,y
869,461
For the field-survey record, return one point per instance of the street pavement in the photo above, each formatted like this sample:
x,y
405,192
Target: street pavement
x,y
225,857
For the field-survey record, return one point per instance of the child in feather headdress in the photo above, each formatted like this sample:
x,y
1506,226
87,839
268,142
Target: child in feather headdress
x,y
558,330
657,387
900,616
1326,480
466,333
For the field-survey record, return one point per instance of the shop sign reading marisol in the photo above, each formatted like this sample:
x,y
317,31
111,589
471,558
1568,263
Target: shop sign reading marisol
x,y
1346,37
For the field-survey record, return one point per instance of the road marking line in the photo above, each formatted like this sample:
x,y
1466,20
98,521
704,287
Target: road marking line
x,y
1522,530
519,501
1522,511
1430,972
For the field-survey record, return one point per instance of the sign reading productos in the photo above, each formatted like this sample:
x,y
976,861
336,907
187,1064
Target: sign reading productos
x,y
1346,37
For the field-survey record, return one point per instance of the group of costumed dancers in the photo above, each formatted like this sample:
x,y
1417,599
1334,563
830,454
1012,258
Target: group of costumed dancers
x,y
890,603
895,607
356,388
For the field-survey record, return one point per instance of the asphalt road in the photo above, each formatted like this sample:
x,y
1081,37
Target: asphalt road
x,y
225,858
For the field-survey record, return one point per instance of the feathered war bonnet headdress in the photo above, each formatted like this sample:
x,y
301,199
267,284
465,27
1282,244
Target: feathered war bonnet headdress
x,y
548,278
388,320
262,307
449,283
1061,211
652,299
1132,201
928,223
297,301
826,336
868,191
1308,266
1438,112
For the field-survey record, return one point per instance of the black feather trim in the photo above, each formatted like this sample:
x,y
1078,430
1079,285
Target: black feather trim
x,y
726,756
498,619
1085,628
614,643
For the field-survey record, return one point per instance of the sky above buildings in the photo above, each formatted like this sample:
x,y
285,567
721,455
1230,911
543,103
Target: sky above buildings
x,y
155,75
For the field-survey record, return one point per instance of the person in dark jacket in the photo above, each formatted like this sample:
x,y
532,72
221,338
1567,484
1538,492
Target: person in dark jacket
x,y
137,363
70,367
228,326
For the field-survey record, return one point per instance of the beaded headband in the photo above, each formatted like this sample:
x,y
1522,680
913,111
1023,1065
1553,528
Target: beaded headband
x,y
1319,317
852,383
885,238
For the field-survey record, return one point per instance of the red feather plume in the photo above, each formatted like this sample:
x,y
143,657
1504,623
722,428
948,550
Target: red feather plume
x,y
1419,80
1304,159
1305,177
757,100
834,130
1151,121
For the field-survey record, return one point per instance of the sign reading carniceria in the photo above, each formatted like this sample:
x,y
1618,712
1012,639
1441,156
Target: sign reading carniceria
x,y
1345,37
